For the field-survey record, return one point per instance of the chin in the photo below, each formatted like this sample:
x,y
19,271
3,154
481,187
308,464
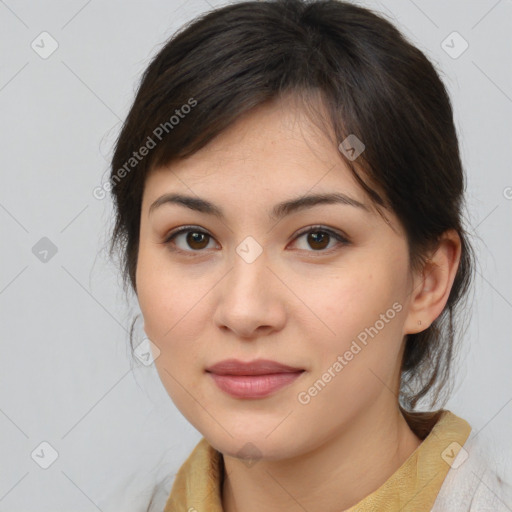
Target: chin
x,y
254,447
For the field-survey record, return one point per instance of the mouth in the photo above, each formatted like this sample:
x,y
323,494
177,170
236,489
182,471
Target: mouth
x,y
255,379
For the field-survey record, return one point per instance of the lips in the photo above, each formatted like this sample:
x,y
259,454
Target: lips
x,y
260,378
255,367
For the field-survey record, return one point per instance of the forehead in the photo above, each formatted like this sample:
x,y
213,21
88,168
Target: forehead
x,y
274,146
271,155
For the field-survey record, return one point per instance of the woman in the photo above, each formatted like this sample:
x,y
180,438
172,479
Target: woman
x,y
289,197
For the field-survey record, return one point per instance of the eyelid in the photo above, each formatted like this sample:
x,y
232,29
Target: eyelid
x,y
184,229
324,229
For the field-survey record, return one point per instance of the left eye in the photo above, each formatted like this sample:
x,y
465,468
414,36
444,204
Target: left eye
x,y
317,237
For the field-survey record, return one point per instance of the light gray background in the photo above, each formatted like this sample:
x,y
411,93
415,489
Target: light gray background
x,y
66,373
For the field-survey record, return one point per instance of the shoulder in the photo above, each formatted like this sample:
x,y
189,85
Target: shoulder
x,y
161,493
472,485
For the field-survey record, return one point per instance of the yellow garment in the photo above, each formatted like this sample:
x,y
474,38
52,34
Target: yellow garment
x,y
413,487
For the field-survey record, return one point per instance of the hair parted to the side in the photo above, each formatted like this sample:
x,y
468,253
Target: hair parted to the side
x,y
353,73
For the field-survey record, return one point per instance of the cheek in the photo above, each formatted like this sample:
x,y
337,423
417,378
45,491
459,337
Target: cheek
x,y
172,321
343,302
360,313
174,306
166,297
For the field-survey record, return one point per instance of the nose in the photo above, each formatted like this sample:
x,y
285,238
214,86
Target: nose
x,y
250,300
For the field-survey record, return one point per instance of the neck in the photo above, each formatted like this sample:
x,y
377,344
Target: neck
x,y
334,476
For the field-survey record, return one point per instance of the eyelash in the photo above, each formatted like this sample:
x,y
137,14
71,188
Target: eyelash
x,y
342,240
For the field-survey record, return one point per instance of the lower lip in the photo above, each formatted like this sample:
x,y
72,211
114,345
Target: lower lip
x,y
253,386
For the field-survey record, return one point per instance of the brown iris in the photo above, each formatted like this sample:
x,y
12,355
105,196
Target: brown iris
x,y
194,237
318,237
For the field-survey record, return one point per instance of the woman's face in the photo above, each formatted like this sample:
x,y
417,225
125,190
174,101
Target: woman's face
x,y
251,285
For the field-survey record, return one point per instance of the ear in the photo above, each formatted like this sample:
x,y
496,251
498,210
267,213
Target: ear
x,y
432,286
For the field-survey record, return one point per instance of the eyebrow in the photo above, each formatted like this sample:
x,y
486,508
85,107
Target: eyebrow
x,y
279,211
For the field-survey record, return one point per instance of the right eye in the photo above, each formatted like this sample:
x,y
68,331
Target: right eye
x,y
195,239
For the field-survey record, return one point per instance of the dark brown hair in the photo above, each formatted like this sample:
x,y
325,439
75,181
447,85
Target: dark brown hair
x,y
370,82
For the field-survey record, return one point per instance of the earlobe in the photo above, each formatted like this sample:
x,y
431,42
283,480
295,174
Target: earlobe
x,y
432,287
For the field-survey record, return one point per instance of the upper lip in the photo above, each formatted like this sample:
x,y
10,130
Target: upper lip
x,y
255,367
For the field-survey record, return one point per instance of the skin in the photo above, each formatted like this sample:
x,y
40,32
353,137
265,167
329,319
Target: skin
x,y
298,303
